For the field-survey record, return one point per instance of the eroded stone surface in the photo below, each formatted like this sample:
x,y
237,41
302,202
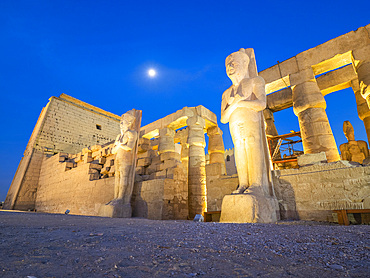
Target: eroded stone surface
x,y
241,107
354,150
125,149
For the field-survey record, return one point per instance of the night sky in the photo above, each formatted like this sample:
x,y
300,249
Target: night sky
x,y
100,52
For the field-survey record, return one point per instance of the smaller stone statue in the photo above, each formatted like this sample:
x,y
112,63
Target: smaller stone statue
x,y
353,150
125,149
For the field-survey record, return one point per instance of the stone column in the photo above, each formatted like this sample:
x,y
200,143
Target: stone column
x,y
166,140
196,170
216,148
271,129
309,106
363,73
362,107
361,62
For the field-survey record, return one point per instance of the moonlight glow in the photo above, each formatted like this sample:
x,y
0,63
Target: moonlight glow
x,y
152,72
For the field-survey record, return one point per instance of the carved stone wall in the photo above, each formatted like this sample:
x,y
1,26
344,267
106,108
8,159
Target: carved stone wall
x,y
61,188
67,125
307,193
312,192
71,125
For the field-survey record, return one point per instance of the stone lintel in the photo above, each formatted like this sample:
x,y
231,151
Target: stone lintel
x,y
342,44
178,120
339,60
328,83
280,100
328,56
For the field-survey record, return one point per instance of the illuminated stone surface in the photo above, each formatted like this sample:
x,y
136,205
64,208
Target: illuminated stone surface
x,y
125,148
242,106
353,150
68,162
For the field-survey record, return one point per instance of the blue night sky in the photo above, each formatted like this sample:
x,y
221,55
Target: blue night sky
x,y
100,51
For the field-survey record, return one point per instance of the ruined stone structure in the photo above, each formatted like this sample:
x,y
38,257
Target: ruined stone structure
x,y
179,152
64,125
302,82
170,181
69,164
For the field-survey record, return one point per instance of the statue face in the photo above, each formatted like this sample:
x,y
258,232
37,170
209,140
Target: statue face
x,y
125,124
237,66
126,121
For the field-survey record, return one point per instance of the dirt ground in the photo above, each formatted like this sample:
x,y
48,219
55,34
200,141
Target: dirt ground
x,y
54,245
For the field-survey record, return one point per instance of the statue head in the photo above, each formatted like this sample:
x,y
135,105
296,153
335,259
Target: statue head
x,y
348,131
240,65
127,121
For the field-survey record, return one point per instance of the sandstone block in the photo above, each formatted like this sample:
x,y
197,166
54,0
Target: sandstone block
x,y
160,174
96,154
102,160
170,172
87,157
140,170
156,160
63,157
95,166
152,169
215,169
144,161
95,148
105,171
312,158
115,210
249,208
79,157
302,76
142,155
69,164
93,171
94,176
170,155
170,163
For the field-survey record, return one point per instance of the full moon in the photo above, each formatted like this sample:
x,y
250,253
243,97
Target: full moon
x,y
152,72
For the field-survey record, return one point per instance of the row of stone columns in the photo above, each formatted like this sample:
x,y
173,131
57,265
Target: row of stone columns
x,y
309,106
193,154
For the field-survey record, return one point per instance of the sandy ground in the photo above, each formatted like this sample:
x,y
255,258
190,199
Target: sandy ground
x,y
52,245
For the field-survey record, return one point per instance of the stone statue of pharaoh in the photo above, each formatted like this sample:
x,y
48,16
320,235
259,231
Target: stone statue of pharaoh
x,y
353,150
242,107
123,148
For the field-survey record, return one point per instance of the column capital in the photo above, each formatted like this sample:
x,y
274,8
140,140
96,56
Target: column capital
x,y
166,131
166,140
196,121
214,130
302,76
307,95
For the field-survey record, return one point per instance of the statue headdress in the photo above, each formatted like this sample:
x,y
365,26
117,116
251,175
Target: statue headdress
x,y
252,66
129,116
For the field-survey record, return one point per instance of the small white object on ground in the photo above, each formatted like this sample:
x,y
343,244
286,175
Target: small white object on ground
x,y
198,218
